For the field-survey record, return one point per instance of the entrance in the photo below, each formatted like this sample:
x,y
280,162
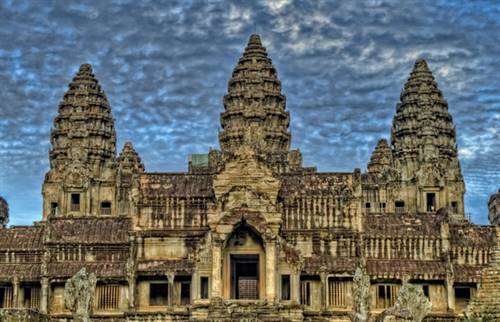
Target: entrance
x,y
245,277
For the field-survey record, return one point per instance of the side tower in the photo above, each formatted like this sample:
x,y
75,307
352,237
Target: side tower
x,y
254,110
424,147
81,179
494,208
4,212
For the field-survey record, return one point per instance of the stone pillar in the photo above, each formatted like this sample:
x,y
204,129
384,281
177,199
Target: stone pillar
x,y
216,270
271,271
324,290
450,294
195,291
44,296
131,292
15,292
171,278
140,248
295,286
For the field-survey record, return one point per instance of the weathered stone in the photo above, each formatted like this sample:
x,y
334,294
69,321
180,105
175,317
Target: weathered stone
x,y
4,212
79,295
248,233
411,305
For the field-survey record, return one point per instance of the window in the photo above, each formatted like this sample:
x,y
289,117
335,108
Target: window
x,y
463,295
158,294
31,297
425,289
54,208
75,202
367,205
285,287
204,287
454,206
6,297
382,206
305,293
182,290
108,297
431,201
106,208
185,293
337,292
386,295
400,206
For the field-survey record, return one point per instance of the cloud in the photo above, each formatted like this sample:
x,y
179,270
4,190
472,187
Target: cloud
x,y
164,66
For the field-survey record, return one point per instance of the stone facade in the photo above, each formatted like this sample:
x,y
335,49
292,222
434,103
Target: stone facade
x,y
248,233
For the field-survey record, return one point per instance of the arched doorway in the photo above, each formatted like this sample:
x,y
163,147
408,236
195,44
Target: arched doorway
x,y
244,265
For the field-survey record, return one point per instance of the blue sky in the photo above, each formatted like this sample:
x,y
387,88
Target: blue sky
x,y
164,66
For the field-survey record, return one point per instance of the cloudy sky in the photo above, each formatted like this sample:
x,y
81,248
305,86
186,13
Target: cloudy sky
x,y
164,66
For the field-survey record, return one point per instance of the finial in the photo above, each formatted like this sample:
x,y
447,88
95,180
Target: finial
x,y
85,69
254,40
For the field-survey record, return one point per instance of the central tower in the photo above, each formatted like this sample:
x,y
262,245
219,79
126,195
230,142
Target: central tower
x,y
254,108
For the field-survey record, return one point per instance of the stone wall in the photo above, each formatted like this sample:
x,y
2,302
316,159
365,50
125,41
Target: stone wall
x,y
13,315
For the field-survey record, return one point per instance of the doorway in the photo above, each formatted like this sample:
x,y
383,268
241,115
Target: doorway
x,y
245,277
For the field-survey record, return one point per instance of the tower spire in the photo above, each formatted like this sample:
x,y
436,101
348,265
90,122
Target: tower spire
x,y
83,130
254,106
424,143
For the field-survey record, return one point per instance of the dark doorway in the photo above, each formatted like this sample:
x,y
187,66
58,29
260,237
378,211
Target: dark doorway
x,y
431,201
245,277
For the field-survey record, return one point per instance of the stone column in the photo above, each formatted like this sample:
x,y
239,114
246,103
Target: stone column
x,y
131,292
216,270
171,278
139,248
324,289
44,296
271,271
195,291
450,294
15,292
295,286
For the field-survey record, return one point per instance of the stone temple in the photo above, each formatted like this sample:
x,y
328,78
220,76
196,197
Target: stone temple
x,y
249,233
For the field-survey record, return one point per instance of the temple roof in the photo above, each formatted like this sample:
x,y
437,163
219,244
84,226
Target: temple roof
x,y
161,185
90,230
21,238
403,225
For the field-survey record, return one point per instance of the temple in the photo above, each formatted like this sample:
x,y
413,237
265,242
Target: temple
x,y
248,232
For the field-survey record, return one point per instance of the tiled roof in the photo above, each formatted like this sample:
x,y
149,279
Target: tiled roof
x,y
21,238
331,264
101,269
403,224
24,271
397,267
157,185
89,230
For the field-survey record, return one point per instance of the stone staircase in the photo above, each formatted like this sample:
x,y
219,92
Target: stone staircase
x,y
486,303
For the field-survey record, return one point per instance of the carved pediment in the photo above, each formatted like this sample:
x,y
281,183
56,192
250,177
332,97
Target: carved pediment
x,y
431,175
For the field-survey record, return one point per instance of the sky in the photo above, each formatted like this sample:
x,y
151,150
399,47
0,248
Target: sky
x,y
164,66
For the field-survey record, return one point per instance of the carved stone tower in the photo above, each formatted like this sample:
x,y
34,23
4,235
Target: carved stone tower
x,y
81,180
424,147
130,167
254,106
381,158
255,114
